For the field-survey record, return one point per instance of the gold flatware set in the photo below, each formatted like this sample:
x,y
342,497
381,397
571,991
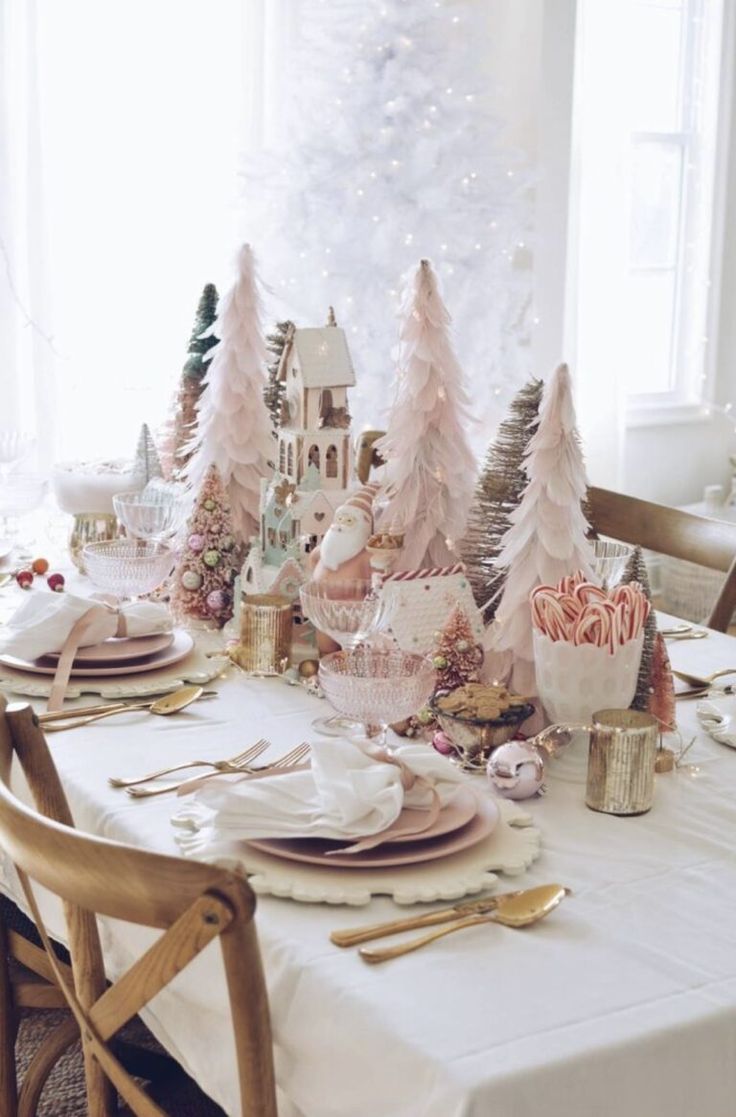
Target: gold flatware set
x,y
166,705
241,764
511,909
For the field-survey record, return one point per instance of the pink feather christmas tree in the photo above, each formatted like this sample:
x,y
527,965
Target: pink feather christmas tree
x,y
202,583
234,429
547,536
431,468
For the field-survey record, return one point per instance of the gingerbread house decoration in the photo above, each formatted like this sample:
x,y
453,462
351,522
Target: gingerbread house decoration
x,y
314,457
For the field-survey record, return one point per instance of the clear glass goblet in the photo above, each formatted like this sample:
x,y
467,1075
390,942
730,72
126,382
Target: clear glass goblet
x,y
128,568
348,612
155,514
610,560
377,688
20,494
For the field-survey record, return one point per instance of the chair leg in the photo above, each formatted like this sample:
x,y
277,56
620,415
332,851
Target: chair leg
x,y
8,1031
41,1065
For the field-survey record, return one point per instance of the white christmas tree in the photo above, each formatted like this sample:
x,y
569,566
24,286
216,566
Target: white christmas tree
x,y
391,151
431,468
547,537
234,427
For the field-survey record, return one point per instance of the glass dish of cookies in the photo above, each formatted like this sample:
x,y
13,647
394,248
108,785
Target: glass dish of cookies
x,y
477,718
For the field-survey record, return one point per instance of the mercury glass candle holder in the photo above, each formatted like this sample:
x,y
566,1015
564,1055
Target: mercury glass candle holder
x,y
376,688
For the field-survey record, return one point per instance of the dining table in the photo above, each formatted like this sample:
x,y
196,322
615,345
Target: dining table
x,y
621,1002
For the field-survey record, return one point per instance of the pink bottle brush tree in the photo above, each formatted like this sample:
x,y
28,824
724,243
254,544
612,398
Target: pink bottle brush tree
x,y
202,586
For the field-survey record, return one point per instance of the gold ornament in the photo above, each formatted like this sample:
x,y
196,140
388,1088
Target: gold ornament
x,y
308,668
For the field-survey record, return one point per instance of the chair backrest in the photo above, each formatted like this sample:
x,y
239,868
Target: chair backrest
x,y
669,531
190,902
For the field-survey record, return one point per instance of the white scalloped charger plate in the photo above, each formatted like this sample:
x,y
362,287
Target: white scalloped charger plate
x,y
175,651
314,851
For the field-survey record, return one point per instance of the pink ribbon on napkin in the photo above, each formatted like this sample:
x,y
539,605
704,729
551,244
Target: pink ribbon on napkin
x,y
79,630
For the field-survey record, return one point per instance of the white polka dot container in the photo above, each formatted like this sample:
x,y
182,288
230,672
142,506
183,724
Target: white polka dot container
x,y
575,680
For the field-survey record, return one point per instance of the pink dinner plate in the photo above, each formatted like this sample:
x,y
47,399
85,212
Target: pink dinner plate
x,y
180,647
116,650
314,850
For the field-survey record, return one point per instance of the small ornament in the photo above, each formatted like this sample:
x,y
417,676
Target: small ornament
x,y
665,761
196,543
211,558
443,744
516,770
308,668
227,542
425,716
191,580
24,578
440,662
463,645
55,582
40,565
216,601
209,505
401,728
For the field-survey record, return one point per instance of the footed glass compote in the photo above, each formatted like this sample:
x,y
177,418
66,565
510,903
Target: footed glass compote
x,y
128,568
377,688
348,612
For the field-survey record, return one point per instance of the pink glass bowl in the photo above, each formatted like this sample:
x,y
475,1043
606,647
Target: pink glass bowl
x,y
376,688
128,567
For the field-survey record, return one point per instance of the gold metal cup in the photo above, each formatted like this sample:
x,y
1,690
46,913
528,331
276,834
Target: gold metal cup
x,y
621,759
91,527
265,634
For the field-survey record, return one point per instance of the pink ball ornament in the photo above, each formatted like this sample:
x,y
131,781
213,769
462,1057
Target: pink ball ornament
x,y
443,744
196,543
216,601
516,770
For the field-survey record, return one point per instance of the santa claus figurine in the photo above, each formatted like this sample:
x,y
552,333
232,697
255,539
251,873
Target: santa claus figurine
x,y
342,555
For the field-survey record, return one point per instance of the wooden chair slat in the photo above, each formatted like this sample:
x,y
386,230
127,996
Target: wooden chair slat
x,y
669,531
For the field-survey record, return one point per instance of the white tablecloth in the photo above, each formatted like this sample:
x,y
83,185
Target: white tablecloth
x,y
622,1002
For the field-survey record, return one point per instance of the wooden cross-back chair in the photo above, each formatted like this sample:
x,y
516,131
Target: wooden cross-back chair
x,y
191,903
668,531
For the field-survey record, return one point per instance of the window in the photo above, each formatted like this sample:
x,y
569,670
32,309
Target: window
x,y
282,457
648,96
331,462
313,456
290,460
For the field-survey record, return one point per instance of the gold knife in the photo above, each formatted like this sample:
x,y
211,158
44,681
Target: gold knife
x,y
429,919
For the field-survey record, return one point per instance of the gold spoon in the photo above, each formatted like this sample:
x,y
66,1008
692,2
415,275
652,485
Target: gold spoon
x,y
703,681
168,704
519,910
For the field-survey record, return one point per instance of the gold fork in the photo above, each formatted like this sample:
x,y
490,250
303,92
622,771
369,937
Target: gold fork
x,y
289,760
240,758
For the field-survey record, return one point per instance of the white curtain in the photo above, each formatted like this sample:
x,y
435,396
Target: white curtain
x,y
123,130
27,347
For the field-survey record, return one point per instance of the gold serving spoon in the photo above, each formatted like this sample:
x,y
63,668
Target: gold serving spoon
x,y
519,910
704,681
168,704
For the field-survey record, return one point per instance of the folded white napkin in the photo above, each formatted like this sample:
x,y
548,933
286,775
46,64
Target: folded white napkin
x,y
43,622
345,794
719,721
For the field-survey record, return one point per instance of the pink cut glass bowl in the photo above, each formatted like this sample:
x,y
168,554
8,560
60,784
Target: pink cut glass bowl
x,y
376,688
128,567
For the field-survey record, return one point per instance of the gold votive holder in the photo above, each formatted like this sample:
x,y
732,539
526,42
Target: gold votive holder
x,y
90,527
621,759
265,634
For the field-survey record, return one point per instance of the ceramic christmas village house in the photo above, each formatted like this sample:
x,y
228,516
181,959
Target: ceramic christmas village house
x,y
314,459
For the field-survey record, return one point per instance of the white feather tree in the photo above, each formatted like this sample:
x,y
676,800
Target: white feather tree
x,y
431,468
547,537
234,427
